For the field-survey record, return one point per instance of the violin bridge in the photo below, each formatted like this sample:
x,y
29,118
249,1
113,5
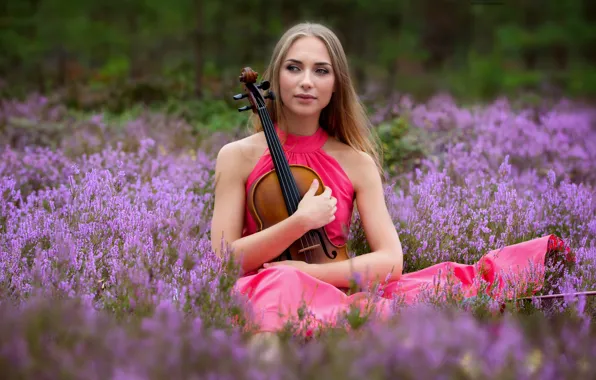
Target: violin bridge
x,y
309,248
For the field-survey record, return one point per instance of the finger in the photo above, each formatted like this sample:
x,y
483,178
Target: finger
x,y
334,210
333,201
327,192
313,187
332,218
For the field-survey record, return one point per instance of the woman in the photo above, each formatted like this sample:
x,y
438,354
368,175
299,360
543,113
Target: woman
x,y
318,116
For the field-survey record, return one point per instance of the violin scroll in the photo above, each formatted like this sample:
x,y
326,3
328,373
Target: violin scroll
x,y
248,75
249,78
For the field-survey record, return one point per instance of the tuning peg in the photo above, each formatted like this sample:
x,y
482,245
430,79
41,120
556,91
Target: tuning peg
x,y
240,96
270,95
264,85
245,108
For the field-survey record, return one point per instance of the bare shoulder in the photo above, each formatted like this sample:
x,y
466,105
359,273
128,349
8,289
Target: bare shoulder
x,y
358,165
244,146
240,156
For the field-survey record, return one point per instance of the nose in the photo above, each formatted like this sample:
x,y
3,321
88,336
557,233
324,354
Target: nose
x,y
306,80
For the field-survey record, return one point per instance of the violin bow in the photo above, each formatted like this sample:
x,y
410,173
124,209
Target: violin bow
x,y
560,295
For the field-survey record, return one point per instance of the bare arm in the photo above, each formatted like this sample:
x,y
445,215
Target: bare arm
x,y
386,258
228,217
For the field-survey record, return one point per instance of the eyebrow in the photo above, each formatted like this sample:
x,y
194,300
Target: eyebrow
x,y
316,63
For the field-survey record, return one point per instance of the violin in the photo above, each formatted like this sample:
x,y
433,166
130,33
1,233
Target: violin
x,y
275,195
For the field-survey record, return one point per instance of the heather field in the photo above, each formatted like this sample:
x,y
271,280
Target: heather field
x,y
106,270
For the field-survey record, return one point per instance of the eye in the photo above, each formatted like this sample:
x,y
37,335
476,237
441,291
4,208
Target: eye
x,y
323,71
291,67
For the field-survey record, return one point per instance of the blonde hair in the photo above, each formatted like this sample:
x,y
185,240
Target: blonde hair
x,y
345,116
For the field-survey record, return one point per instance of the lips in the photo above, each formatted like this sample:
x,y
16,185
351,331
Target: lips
x,y
305,96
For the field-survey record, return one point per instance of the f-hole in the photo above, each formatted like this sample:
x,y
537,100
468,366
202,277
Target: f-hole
x,y
333,253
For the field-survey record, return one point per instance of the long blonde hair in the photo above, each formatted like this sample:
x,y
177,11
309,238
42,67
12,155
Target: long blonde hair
x,y
345,116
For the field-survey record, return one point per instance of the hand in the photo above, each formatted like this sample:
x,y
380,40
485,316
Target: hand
x,y
300,265
316,211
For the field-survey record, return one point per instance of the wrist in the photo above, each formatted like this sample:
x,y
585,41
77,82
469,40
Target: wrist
x,y
300,223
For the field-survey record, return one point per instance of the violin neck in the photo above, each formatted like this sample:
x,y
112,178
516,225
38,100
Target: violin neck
x,y
287,182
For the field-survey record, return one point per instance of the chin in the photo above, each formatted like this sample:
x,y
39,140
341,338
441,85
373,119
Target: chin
x,y
304,112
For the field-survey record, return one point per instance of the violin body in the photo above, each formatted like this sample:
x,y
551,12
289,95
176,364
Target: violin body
x,y
275,195
266,205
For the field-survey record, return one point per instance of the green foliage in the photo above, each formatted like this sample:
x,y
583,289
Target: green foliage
x,y
482,50
402,144
115,67
582,81
206,116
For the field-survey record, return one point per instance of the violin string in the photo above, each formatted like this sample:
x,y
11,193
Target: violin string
x,y
286,178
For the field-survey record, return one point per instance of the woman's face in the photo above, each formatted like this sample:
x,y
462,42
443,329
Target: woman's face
x,y
306,78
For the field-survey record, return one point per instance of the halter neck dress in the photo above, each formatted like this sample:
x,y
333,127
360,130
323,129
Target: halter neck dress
x,y
277,293
308,151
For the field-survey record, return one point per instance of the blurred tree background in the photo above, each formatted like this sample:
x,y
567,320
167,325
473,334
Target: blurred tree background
x,y
114,53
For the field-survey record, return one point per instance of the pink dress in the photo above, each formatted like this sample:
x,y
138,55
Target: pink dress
x,y
277,293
